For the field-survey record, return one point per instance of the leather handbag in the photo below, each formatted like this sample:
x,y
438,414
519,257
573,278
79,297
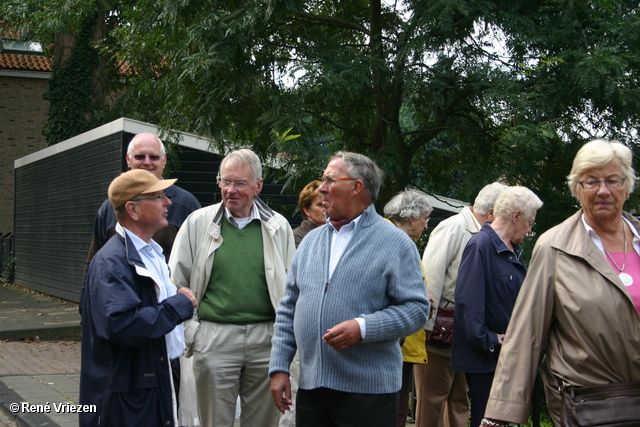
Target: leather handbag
x,y
443,329
601,405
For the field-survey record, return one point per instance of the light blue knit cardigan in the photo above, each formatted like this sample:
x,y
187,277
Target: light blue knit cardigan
x,y
379,278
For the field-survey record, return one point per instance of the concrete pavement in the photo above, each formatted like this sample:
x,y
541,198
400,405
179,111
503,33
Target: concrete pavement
x,y
39,380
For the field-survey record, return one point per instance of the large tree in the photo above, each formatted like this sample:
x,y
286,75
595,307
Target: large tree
x,y
446,95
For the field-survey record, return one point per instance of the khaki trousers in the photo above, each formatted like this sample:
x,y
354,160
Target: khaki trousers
x,y
442,394
231,360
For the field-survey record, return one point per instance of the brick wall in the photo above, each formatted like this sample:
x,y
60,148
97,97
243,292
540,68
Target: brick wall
x,y
23,114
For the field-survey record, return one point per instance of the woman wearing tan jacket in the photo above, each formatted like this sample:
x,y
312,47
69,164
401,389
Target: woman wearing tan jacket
x,y
581,295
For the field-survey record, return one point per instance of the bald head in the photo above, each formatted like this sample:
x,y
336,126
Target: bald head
x,y
147,152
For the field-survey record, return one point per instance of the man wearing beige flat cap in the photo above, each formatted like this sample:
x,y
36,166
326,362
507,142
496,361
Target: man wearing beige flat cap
x,y
132,316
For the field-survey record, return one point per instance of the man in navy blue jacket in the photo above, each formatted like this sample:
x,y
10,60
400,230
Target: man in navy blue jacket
x,y
132,314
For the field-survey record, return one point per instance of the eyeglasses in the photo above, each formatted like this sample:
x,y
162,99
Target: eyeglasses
x,y
426,218
159,197
330,181
592,184
530,223
152,157
240,185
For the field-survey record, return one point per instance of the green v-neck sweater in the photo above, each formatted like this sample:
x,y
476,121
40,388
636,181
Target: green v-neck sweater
x,y
237,291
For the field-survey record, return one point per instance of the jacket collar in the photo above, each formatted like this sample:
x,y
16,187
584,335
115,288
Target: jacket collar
x,y
470,222
498,244
572,238
369,217
265,212
130,251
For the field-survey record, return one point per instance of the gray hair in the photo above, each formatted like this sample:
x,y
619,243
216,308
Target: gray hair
x,y
138,136
407,204
516,198
598,153
361,167
243,157
486,198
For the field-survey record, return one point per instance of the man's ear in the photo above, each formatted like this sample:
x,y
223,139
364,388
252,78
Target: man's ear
x,y
490,215
358,186
132,210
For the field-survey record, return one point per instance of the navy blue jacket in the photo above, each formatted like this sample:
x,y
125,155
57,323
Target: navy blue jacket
x,y
125,370
489,279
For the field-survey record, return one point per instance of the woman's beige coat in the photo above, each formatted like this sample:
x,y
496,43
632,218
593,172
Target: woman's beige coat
x,y
573,302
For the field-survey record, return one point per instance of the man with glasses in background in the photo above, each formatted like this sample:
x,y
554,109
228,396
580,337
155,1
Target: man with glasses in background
x,y
234,256
132,314
147,152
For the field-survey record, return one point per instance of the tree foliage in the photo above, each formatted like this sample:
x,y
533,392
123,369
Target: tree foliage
x,y
84,81
446,95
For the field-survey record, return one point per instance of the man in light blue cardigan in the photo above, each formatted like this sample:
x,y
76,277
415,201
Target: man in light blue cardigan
x,y
354,289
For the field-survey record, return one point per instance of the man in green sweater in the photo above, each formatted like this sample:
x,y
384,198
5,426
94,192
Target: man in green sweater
x,y
234,256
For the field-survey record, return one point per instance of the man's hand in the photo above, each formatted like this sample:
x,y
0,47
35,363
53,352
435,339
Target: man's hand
x,y
281,391
343,334
189,294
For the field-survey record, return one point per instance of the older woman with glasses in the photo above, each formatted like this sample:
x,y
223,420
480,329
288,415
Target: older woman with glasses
x,y
489,279
581,297
409,210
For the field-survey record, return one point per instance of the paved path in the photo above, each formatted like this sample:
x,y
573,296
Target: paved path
x,y
42,373
37,371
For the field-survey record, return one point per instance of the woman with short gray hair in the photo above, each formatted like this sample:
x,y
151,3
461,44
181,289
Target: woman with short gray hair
x,y
406,208
489,278
409,210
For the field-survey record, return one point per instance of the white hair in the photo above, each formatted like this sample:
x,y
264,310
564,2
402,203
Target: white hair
x,y
486,198
243,157
598,153
516,198
407,204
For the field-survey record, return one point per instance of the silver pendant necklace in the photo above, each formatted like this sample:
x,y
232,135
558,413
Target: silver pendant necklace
x,y
626,279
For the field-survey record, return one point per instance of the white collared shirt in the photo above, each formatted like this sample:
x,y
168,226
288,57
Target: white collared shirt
x,y
155,263
241,223
339,242
594,237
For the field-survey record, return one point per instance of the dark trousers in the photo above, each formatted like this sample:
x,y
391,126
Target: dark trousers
x,y
479,389
175,373
403,394
323,407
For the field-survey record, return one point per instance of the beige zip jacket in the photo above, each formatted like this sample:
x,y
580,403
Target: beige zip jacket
x,y
441,260
199,237
573,302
